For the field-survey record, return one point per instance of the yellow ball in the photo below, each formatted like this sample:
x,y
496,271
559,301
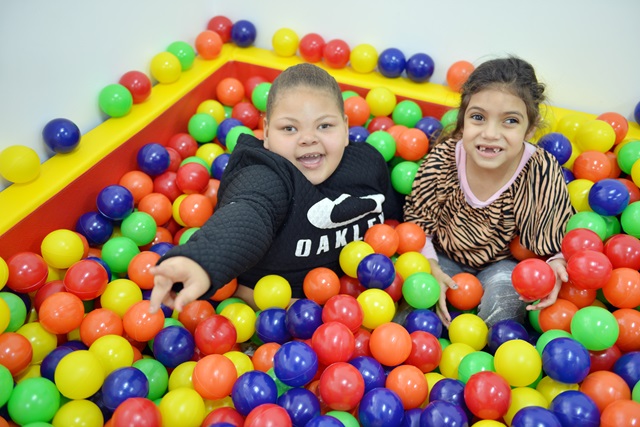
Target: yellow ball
x,y
635,173
42,341
579,194
175,209
569,124
352,254
575,152
518,362
550,388
4,273
364,58
209,151
182,407
5,315
411,262
377,307
285,42
166,68
241,361
62,248
213,108
522,397
79,374
452,355
211,405
489,423
596,135
469,329
181,376
113,351
19,164
432,378
243,319
120,295
78,413
272,291
381,101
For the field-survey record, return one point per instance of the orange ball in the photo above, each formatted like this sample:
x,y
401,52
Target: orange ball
x,y
580,297
468,294
194,313
629,326
158,206
357,110
61,313
557,316
519,252
140,324
623,288
98,323
592,165
320,284
615,168
410,385
16,352
212,188
226,291
230,91
621,413
208,44
390,344
213,376
383,238
396,131
411,237
138,269
412,144
138,183
619,124
458,73
605,387
263,356
195,210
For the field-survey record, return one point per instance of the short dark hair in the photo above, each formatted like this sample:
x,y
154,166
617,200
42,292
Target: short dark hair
x,y
304,75
510,74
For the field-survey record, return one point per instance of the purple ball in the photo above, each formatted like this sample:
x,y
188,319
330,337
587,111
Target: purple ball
x,y
431,127
122,384
535,416
443,414
381,407
566,360
252,389
219,164
568,175
95,227
225,126
51,360
608,197
628,368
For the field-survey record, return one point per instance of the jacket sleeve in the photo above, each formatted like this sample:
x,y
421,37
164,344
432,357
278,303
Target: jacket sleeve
x,y
242,228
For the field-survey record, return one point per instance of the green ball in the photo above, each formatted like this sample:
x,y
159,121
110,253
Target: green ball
x,y
403,175
383,142
281,387
118,252
157,376
234,134
345,418
6,385
228,301
613,225
196,159
186,235
549,335
627,156
421,290
596,328
184,52
635,394
259,96
630,219
115,100
534,320
589,220
228,111
33,400
475,362
139,227
444,342
202,127
449,119
348,94
17,311
407,113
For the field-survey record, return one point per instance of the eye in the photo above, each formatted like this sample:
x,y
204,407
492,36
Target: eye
x,y
325,126
512,121
289,128
476,116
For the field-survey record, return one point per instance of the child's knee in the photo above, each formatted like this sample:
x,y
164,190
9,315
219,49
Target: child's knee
x,y
500,302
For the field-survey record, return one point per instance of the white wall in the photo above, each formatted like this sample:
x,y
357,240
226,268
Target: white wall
x,y
56,56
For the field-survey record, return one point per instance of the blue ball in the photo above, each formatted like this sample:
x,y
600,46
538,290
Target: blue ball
x,y
122,384
431,127
636,113
324,421
558,145
608,197
295,363
173,345
412,417
75,345
225,126
376,271
424,320
566,360
568,175
51,360
371,370
115,202
381,407
153,159
271,327
420,67
505,330
448,389
252,389
358,134
574,408
243,33
218,166
443,414
61,135
628,368
167,311
161,248
303,318
535,416
95,227
301,405
391,62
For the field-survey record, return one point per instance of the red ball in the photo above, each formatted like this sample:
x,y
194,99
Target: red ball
x,y
28,272
184,144
589,269
336,53
221,25
362,339
580,297
251,83
395,288
268,415
311,47
224,414
215,335
61,313
619,124
426,351
380,123
195,312
344,309
246,113
192,178
350,286
341,386
333,342
581,238
87,279
137,412
487,395
557,316
47,289
165,183
623,250
629,326
533,279
605,359
519,252
138,84
634,191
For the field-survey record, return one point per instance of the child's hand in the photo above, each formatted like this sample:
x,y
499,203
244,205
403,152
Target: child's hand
x,y
177,269
445,282
559,266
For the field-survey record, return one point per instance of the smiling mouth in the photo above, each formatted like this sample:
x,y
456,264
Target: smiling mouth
x,y
311,160
489,150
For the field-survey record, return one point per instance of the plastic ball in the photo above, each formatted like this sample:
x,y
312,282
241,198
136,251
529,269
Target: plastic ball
x,y
557,316
458,73
558,145
358,134
14,311
391,62
623,288
352,254
61,248
579,239
19,164
575,408
421,290
579,194
115,202
79,374
518,362
95,227
364,58
468,294
285,42
61,313
629,219
589,220
166,68
341,386
376,271
441,412
230,91
357,110
420,67
202,127
137,412
33,400
234,135
535,416
243,33
449,119
487,395
588,269
412,144
594,327
475,362
380,406
27,272
336,53
381,100
604,388
566,360
595,135
184,52
423,320
469,329
183,407
61,135
123,384
253,389
620,412
533,279
410,263
271,327
138,84
115,100
153,159
452,355
311,47
377,307
407,113
384,143
402,176
303,318
383,239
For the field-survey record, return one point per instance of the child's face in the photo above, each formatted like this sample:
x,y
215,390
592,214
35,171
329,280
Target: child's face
x,y
495,126
307,128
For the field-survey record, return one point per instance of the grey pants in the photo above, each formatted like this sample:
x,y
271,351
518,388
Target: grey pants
x,y
500,301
